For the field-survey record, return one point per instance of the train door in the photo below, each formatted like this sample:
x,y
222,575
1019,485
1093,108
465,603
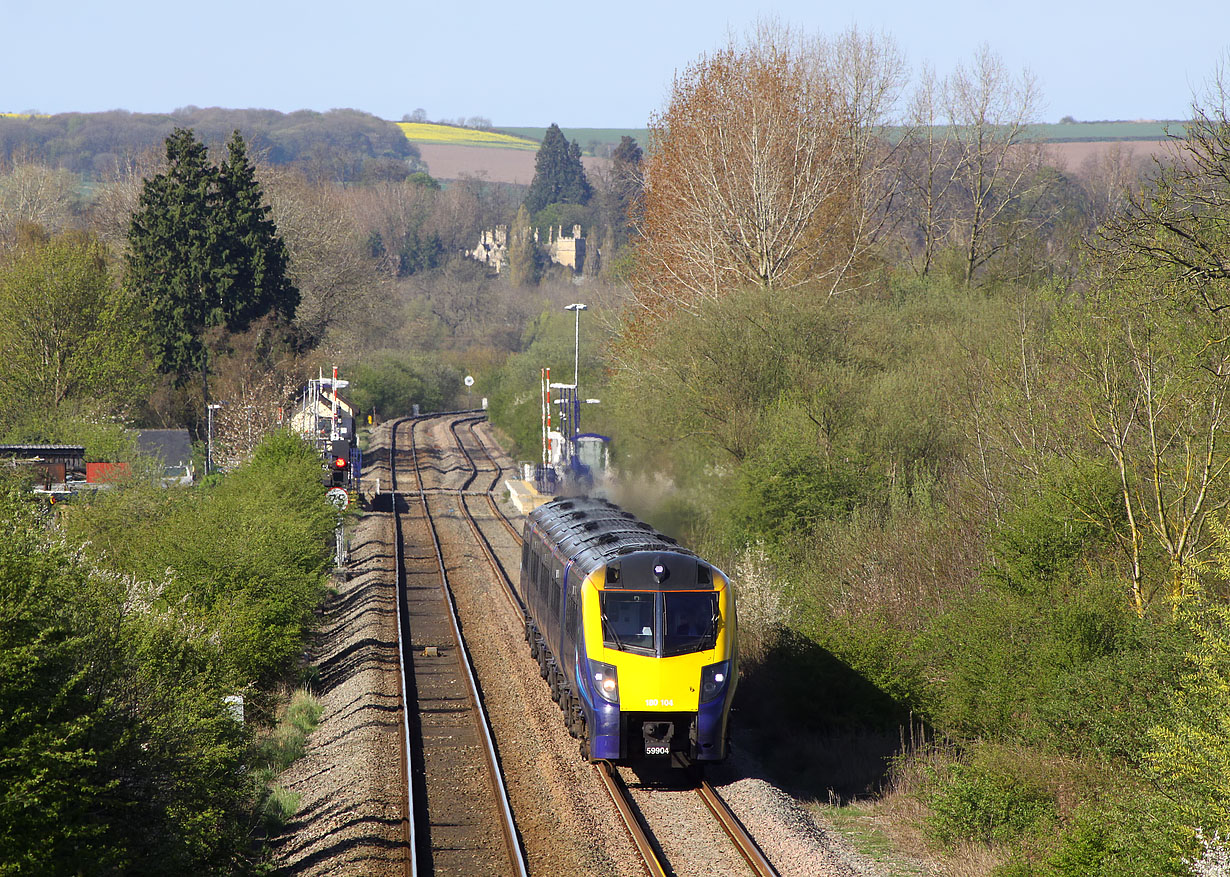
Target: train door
x,y
569,642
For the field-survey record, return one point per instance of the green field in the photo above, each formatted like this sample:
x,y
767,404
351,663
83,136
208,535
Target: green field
x,y
1155,130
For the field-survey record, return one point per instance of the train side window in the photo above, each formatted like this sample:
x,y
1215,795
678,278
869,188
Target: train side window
x,y
556,586
544,577
570,616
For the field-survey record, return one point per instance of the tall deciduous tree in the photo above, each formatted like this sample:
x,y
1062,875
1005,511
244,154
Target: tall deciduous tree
x,y
203,254
559,176
998,167
930,172
70,337
1181,226
761,169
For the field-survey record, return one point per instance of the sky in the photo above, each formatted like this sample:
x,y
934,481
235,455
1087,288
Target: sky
x,y
604,64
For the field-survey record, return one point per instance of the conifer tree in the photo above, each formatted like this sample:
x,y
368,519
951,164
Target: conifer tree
x,y
258,270
559,176
203,254
523,267
625,189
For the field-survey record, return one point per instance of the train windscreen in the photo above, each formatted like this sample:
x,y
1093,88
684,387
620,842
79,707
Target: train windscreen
x,y
662,624
628,621
690,622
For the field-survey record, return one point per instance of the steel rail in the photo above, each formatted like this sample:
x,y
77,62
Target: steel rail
x,y
734,829
610,779
623,803
495,508
478,440
484,544
403,638
508,825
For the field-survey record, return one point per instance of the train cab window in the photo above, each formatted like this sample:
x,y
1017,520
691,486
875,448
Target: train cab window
x,y
689,622
629,620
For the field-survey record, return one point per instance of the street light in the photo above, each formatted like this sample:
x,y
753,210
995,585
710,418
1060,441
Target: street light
x,y
576,349
209,435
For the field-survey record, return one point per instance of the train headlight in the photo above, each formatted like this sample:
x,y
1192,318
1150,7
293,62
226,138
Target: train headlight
x,y
713,679
606,680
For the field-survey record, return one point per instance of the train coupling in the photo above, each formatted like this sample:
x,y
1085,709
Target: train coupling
x,y
657,737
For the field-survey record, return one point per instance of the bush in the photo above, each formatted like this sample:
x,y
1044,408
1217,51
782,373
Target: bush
x,y
390,383
988,804
303,712
1132,835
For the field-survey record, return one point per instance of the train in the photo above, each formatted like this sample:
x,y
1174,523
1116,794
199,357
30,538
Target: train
x,y
634,634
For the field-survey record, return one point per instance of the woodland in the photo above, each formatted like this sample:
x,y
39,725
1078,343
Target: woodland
x,y
951,414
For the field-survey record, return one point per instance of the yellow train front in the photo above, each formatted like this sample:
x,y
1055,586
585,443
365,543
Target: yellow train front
x,y
634,634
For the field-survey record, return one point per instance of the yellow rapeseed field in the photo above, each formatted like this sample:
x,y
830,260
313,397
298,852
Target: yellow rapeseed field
x,y
426,132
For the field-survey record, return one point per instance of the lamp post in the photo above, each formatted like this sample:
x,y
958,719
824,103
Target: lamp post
x,y
575,414
576,348
209,435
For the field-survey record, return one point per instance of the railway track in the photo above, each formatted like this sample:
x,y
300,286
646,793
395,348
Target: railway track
x,y
460,819
630,812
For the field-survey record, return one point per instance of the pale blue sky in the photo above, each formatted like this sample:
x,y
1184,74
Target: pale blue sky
x,y
591,64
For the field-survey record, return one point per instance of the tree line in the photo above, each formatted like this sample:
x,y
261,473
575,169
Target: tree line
x,y
341,145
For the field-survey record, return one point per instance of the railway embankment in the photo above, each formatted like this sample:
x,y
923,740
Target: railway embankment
x,y
350,820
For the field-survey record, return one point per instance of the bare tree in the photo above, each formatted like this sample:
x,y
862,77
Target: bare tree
x,y
750,177
1110,178
998,164
1180,227
35,194
868,73
336,282
119,192
930,169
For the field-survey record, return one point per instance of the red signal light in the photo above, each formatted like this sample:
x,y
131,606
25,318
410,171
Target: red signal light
x,y
340,462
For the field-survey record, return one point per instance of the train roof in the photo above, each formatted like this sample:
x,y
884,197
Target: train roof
x,y
594,531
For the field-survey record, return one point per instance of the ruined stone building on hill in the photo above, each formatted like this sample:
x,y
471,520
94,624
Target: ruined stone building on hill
x,y
561,249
